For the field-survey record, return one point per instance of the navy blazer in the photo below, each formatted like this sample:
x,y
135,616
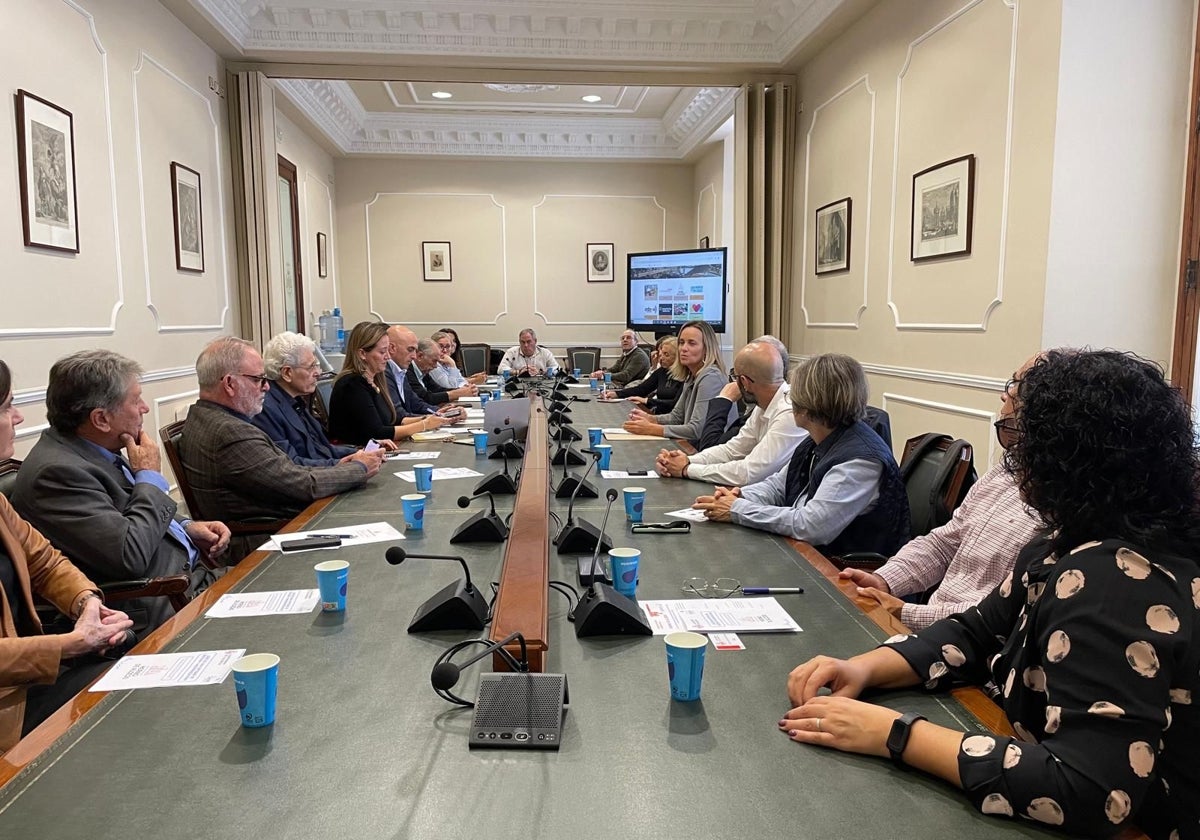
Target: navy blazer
x,y
412,405
297,432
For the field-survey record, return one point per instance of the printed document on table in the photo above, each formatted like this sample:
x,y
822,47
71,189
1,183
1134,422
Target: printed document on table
x,y
718,615
443,473
162,670
430,437
627,474
415,455
283,602
621,434
372,532
688,514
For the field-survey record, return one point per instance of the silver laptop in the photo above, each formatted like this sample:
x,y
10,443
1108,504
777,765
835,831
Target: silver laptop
x,y
503,415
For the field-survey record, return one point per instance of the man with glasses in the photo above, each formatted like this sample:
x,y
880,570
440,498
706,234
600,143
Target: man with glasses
x,y
290,361
718,428
766,440
234,468
970,555
632,366
93,485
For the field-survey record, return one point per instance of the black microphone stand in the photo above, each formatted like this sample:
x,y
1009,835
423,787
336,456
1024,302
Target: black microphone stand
x,y
502,483
602,610
458,606
508,448
581,537
484,526
569,482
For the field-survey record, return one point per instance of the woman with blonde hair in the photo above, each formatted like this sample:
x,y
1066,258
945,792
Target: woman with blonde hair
x,y
359,407
659,391
698,364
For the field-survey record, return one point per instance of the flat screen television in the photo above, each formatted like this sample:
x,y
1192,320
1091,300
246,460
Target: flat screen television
x,y
669,288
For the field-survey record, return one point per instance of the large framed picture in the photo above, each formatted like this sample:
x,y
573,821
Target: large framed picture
x,y
833,237
46,163
943,209
435,257
600,262
189,221
322,255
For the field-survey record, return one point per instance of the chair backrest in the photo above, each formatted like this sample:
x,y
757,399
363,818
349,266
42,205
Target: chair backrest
x,y
586,359
474,358
938,471
8,476
321,399
170,435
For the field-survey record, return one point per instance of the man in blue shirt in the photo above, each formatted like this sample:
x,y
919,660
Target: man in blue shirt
x,y
93,485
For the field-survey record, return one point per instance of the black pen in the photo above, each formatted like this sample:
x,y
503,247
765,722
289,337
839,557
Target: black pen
x,y
639,472
773,590
326,536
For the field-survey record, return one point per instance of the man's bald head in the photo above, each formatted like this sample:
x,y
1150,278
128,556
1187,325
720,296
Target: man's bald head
x,y
760,362
403,344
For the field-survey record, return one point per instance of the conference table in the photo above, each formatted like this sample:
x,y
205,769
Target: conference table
x,y
363,748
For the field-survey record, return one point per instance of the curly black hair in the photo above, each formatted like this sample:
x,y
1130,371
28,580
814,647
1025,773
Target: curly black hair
x,y
1106,449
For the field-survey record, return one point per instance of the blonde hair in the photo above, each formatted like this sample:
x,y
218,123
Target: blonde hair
x,y
712,350
831,389
364,336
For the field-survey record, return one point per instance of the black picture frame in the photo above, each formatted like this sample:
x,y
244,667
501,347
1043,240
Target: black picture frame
x,y
600,262
942,222
322,255
435,262
46,168
187,210
834,227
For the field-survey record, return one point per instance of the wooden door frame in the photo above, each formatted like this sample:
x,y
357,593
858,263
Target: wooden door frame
x,y
287,170
1187,300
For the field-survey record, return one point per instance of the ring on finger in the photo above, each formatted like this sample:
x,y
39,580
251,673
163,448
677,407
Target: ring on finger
x,y
819,725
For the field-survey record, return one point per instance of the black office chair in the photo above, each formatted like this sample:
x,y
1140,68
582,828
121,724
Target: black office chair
x,y
584,359
474,358
8,476
937,471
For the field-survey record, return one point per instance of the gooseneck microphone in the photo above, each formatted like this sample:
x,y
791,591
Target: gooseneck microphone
x,y
602,610
570,483
458,606
581,537
501,483
484,526
444,675
588,569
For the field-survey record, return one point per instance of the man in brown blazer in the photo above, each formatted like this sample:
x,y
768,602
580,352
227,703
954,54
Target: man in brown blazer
x,y
235,470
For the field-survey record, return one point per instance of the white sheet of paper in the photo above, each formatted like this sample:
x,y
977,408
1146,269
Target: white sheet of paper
x,y
621,434
626,474
718,615
281,602
430,437
372,532
442,474
467,399
415,455
726,641
474,413
688,514
161,670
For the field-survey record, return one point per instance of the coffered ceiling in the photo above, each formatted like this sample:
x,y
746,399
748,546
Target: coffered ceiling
x,y
566,40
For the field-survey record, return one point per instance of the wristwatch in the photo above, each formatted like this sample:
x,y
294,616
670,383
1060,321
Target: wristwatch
x,y
898,738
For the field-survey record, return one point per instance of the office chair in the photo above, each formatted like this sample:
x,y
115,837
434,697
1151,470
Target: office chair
x,y
8,475
586,359
474,358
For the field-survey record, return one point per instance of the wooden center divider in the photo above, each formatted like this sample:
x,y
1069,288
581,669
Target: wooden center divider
x,y
524,598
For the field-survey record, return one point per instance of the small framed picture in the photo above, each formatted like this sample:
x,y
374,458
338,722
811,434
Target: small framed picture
x,y
189,223
322,255
600,262
943,209
833,237
46,164
703,241
435,257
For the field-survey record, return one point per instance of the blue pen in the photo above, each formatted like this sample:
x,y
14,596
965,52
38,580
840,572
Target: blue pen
x,y
773,590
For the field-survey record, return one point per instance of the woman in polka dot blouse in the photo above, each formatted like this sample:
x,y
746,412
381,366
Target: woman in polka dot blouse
x,y
1094,638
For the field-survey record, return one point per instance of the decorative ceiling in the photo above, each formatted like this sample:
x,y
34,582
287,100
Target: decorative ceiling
x,y
539,117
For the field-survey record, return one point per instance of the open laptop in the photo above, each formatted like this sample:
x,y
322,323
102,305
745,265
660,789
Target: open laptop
x,y
503,415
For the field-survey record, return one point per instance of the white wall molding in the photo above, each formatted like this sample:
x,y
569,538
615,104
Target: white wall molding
x,y
865,82
220,271
330,251
33,396
986,417
503,259
998,297
940,377
537,308
111,327
712,198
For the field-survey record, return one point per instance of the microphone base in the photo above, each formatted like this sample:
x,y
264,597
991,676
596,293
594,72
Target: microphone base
x,y
604,611
573,458
585,572
482,527
566,433
558,407
581,538
511,449
498,484
567,486
519,711
451,608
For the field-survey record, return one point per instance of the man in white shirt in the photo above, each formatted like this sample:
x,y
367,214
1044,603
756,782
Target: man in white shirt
x,y
527,357
766,441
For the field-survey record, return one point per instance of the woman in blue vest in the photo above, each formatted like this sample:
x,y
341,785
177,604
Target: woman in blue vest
x,y
842,490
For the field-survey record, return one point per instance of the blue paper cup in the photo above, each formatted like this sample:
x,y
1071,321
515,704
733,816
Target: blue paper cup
x,y
605,450
575,373
484,396
507,374
552,371
685,664
424,476
635,502
595,435
594,384
332,577
256,681
414,510
607,378
480,437
623,566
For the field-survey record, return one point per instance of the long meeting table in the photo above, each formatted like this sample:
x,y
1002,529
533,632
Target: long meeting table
x,y
363,748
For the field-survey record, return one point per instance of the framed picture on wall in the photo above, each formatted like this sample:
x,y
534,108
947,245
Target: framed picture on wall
x,y
435,258
189,223
600,262
46,164
703,241
943,209
322,255
833,237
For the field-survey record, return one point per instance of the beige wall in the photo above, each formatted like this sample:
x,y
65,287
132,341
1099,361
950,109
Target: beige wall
x,y
136,81
518,234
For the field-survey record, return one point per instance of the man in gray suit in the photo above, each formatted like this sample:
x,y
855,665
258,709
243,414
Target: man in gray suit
x,y
234,469
109,513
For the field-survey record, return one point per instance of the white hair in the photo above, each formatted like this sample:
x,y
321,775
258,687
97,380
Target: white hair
x,y
284,350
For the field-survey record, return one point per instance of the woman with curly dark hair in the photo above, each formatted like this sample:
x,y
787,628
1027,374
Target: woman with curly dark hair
x,y
1093,638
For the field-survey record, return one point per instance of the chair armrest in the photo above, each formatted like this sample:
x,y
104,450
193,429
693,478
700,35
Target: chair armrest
x,y
866,560
173,587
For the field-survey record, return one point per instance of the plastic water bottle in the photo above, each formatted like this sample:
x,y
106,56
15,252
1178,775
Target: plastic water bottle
x,y
338,334
328,337
341,341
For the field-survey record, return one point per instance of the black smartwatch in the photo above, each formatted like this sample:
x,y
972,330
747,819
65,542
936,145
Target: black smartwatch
x,y
898,737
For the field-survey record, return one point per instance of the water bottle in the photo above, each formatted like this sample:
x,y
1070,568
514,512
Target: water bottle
x,y
338,334
328,338
341,341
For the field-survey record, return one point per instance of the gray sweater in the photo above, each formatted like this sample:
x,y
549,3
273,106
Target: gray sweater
x,y
687,419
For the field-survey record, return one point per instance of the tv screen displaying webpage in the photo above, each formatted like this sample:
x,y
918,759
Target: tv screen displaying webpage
x,y
669,288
